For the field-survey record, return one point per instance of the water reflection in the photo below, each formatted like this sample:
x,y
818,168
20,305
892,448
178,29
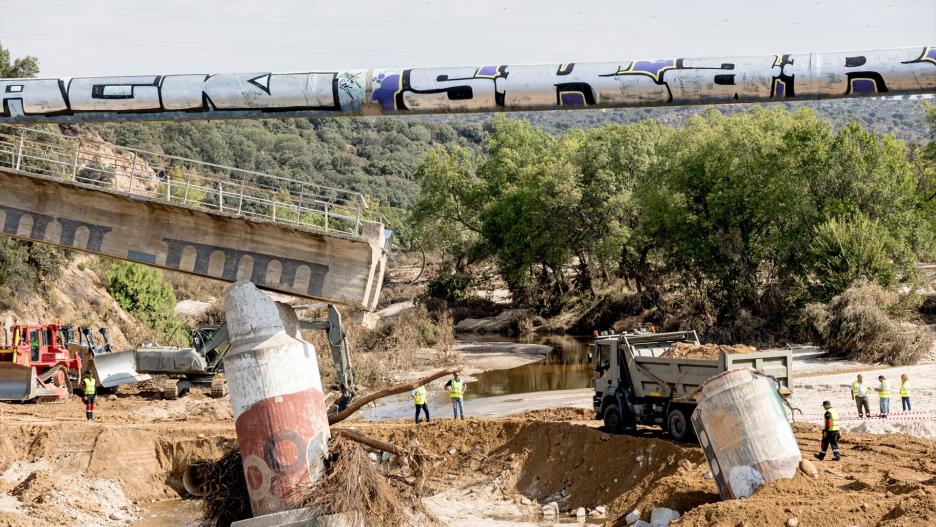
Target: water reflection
x,y
565,367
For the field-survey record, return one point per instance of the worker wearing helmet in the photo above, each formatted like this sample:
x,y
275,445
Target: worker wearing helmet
x,y
419,399
88,391
456,388
830,433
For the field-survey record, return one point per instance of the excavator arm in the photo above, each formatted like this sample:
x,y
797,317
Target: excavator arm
x,y
338,345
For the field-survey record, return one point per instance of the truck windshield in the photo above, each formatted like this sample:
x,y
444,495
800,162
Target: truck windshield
x,y
602,356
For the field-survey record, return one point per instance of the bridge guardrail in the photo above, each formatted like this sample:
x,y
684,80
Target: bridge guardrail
x,y
184,182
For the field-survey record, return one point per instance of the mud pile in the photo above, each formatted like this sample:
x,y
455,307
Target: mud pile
x,y
88,474
685,350
887,481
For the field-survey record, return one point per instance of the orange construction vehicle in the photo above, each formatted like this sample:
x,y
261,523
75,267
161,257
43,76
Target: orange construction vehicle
x,y
35,363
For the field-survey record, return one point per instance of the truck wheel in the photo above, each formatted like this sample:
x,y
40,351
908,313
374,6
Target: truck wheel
x,y
679,426
613,421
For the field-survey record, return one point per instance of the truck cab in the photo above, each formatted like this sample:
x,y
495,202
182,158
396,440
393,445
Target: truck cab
x,y
634,384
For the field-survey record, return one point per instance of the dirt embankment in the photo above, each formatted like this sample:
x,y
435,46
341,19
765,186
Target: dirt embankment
x,y
887,481
64,471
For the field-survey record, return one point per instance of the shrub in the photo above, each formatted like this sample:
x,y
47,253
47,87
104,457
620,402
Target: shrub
x,y
25,267
96,173
852,247
143,293
862,324
450,287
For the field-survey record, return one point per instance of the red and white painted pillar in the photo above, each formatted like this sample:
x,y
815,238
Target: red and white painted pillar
x,y
276,394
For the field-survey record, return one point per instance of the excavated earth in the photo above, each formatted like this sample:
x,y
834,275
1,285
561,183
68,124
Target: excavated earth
x,y
56,469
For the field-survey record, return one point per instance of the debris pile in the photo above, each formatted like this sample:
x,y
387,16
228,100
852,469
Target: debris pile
x,y
225,500
353,484
684,350
384,488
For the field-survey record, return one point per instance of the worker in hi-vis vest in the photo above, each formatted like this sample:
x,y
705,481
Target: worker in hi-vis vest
x,y
884,393
419,399
456,388
905,392
830,433
860,394
88,391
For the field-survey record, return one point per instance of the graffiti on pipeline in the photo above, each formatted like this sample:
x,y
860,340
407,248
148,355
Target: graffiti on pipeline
x,y
473,89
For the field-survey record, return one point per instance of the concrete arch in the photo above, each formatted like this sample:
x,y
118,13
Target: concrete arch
x,y
245,268
216,263
303,276
24,229
187,261
82,235
274,272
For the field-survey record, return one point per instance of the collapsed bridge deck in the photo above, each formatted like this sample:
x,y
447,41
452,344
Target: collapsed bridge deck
x,y
219,222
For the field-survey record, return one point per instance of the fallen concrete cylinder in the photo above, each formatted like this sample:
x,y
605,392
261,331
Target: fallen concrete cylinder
x,y
744,433
276,395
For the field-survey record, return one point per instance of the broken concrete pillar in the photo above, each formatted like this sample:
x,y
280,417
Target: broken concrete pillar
x,y
277,399
744,433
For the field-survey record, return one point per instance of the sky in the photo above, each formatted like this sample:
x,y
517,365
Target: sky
x,y
128,37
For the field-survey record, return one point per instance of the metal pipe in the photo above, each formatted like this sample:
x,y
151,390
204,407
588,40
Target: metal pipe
x,y
484,88
276,396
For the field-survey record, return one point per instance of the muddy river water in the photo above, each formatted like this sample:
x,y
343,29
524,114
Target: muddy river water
x,y
565,367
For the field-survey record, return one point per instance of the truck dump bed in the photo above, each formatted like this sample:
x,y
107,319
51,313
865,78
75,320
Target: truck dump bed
x,y
679,378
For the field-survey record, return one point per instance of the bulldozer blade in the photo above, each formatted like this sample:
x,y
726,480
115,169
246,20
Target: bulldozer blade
x,y
116,368
17,382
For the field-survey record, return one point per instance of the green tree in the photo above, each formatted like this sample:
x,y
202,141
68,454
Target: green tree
x,y
446,215
143,292
22,67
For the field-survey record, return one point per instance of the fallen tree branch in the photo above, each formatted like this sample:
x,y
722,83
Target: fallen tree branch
x,y
370,441
357,404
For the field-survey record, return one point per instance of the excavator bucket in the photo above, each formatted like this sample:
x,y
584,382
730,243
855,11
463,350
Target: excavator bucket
x,y
116,368
17,382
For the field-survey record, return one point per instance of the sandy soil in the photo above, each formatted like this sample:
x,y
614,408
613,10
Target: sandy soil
x,y
488,467
516,453
810,392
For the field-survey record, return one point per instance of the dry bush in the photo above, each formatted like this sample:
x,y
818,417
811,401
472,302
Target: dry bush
x,y
192,287
351,484
863,324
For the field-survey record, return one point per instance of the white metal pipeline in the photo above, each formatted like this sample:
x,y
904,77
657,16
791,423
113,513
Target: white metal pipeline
x,y
471,89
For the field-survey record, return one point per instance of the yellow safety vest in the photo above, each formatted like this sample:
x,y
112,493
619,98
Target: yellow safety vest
x,y
834,415
905,388
419,395
457,388
88,386
883,390
855,386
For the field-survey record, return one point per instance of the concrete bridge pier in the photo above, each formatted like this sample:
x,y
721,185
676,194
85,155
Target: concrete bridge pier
x,y
276,396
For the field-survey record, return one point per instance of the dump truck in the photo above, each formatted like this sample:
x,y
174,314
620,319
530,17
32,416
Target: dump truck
x,y
634,384
36,363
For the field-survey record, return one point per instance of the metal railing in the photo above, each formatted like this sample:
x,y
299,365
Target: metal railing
x,y
184,182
